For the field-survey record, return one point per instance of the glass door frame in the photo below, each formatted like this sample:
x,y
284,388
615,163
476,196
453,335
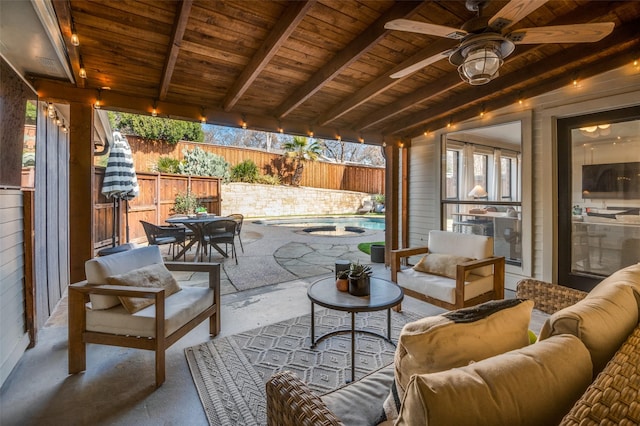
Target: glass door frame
x,y
564,171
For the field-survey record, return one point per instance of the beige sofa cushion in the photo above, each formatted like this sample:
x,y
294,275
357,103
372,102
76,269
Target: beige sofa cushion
x,y
535,385
602,320
97,270
455,339
440,264
151,276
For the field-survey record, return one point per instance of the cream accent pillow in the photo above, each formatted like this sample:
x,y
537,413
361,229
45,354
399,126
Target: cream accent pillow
x,y
152,276
455,339
440,264
531,386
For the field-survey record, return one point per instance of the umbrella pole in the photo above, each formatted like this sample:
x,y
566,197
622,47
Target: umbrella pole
x,y
126,217
113,225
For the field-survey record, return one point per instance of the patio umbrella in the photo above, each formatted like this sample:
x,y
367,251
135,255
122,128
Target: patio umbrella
x,y
120,181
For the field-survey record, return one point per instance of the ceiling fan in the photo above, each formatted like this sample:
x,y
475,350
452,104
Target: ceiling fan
x,y
484,42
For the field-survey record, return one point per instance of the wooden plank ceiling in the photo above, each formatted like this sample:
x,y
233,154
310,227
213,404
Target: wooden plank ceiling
x,y
318,66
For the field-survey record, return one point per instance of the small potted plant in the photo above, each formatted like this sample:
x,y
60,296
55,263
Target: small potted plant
x,y
201,211
342,281
359,279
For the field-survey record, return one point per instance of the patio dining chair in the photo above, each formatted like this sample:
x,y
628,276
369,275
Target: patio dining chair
x,y
239,218
221,231
161,235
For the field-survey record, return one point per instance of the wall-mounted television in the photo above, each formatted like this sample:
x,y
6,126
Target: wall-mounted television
x,y
617,180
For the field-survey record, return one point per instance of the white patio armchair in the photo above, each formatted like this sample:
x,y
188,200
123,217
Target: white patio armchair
x,y
100,312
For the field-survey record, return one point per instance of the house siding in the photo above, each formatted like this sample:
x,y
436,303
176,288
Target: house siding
x,y
14,338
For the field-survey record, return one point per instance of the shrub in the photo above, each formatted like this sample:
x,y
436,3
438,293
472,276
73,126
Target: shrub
x,y
186,203
268,180
156,128
247,171
168,165
198,162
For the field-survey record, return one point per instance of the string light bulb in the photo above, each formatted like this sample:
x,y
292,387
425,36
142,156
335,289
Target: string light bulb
x,y
339,138
154,110
64,128
74,34
98,103
51,110
203,116
83,72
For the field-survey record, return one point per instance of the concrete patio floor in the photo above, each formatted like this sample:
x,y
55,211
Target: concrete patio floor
x,y
268,285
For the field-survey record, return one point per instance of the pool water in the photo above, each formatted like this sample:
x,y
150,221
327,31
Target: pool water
x,y
373,223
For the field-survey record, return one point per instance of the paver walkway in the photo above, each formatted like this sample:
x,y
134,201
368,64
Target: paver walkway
x,y
276,254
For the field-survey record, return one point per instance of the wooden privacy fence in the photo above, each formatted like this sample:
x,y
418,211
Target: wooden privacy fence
x,y
316,174
153,204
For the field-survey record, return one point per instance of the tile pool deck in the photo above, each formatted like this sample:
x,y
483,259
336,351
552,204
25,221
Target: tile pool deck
x,y
276,254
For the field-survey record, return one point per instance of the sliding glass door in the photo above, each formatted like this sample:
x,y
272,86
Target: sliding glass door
x,y
599,195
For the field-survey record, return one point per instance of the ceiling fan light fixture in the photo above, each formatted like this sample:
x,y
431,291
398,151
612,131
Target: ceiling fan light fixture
x,y
481,65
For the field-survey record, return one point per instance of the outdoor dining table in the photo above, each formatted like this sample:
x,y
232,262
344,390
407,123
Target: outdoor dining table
x,y
197,224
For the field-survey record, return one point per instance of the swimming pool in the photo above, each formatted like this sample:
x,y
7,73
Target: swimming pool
x,y
329,226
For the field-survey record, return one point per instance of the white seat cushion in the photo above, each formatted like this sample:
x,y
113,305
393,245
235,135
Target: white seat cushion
x,y
179,309
443,288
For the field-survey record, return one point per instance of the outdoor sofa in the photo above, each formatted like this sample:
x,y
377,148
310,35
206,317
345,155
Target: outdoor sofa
x,y
584,369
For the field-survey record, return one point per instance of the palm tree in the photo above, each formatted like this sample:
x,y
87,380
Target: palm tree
x,y
301,150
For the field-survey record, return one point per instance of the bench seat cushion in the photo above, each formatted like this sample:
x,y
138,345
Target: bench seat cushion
x,y
443,288
179,309
360,402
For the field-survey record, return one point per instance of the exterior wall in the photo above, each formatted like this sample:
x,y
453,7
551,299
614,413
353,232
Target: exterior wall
x,y
270,200
615,89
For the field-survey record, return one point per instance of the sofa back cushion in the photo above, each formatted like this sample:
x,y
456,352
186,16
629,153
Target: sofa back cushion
x,y
534,385
99,268
465,245
603,319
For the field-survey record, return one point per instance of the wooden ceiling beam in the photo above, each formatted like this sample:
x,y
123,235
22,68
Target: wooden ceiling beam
x,y
294,12
63,13
384,82
179,26
545,70
56,91
360,45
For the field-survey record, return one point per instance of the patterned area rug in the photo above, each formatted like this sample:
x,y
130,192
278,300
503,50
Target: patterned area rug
x,y
230,372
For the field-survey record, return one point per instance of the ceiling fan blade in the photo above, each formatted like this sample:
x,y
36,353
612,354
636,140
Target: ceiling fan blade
x,y
419,65
577,33
513,12
425,28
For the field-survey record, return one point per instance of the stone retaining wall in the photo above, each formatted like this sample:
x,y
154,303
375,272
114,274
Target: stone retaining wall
x,y
255,200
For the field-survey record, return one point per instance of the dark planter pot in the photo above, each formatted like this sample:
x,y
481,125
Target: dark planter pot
x,y
377,253
359,286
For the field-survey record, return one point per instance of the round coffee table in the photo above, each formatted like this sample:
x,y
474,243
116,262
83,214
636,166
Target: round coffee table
x,y
384,295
